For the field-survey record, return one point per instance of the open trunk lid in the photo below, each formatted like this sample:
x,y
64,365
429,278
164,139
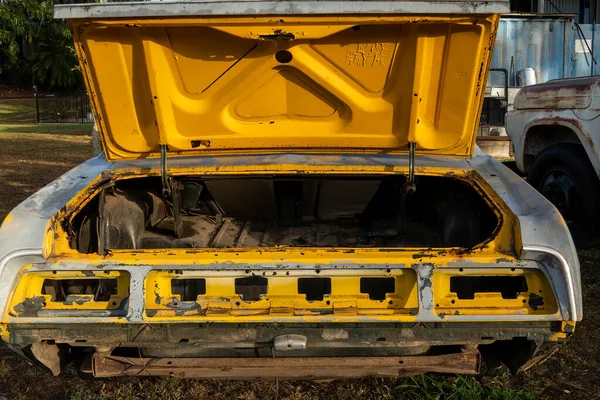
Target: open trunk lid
x,y
195,78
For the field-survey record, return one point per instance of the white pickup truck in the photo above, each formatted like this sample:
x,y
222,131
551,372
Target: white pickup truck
x,y
555,131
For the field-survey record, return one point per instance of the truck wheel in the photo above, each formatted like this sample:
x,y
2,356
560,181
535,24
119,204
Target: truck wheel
x,y
564,175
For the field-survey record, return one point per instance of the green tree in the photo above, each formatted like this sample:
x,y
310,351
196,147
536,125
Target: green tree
x,y
35,48
53,59
20,22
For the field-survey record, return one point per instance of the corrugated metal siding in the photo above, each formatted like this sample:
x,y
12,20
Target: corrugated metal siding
x,y
565,6
530,43
582,63
553,47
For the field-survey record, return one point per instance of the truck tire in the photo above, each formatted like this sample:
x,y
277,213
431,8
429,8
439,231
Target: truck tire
x,y
564,174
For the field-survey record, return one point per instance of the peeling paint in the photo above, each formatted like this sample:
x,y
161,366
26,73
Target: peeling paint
x,y
535,302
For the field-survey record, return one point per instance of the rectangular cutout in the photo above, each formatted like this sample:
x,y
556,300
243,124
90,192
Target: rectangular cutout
x,y
315,289
251,288
61,289
465,287
188,289
377,288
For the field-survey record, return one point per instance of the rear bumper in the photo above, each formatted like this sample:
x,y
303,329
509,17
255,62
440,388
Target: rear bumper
x,y
248,351
321,338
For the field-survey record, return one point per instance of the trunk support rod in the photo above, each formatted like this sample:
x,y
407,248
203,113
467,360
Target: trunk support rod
x,y
171,189
166,187
411,186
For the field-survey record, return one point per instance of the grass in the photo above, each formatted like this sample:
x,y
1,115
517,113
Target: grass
x,y
421,387
17,111
33,155
48,129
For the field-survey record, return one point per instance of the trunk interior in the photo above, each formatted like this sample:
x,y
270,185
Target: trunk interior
x,y
323,211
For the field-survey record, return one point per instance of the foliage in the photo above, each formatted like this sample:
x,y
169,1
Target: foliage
x,y
54,60
22,22
35,48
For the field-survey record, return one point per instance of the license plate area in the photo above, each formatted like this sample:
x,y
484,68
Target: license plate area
x,y
286,293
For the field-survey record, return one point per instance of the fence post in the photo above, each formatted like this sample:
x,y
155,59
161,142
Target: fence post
x,y
37,108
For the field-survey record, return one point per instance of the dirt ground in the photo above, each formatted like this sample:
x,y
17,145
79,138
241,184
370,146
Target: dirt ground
x,y
32,156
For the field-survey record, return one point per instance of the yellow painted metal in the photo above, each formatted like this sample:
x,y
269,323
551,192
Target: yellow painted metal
x,y
282,297
29,291
6,219
4,334
344,84
448,303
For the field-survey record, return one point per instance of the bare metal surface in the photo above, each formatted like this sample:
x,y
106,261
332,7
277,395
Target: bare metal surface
x,y
466,362
248,7
564,266
289,342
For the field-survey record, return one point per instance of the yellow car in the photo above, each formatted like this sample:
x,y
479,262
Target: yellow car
x,y
289,189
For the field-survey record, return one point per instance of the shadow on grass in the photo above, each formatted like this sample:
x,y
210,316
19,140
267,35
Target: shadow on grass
x,y
48,129
29,161
18,111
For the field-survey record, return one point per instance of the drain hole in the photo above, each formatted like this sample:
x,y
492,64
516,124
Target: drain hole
x,y
377,288
188,289
251,288
314,288
283,56
465,287
61,289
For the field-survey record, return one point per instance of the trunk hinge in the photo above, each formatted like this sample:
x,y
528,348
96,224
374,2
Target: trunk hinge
x,y
171,191
411,186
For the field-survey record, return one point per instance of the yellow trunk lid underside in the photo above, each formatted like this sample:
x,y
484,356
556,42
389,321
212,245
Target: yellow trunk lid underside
x,y
303,83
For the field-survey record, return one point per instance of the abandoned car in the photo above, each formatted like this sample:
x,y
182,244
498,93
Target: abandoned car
x,y
555,131
288,189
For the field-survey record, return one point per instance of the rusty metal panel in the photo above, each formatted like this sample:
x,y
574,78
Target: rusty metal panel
x,y
562,94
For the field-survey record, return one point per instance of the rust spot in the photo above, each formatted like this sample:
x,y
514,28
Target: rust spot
x,y
423,255
200,143
535,301
30,306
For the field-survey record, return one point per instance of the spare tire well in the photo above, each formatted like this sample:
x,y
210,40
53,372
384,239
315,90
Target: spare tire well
x,y
540,137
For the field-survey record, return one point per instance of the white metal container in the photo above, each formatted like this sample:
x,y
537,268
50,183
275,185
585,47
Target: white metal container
x,y
526,77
